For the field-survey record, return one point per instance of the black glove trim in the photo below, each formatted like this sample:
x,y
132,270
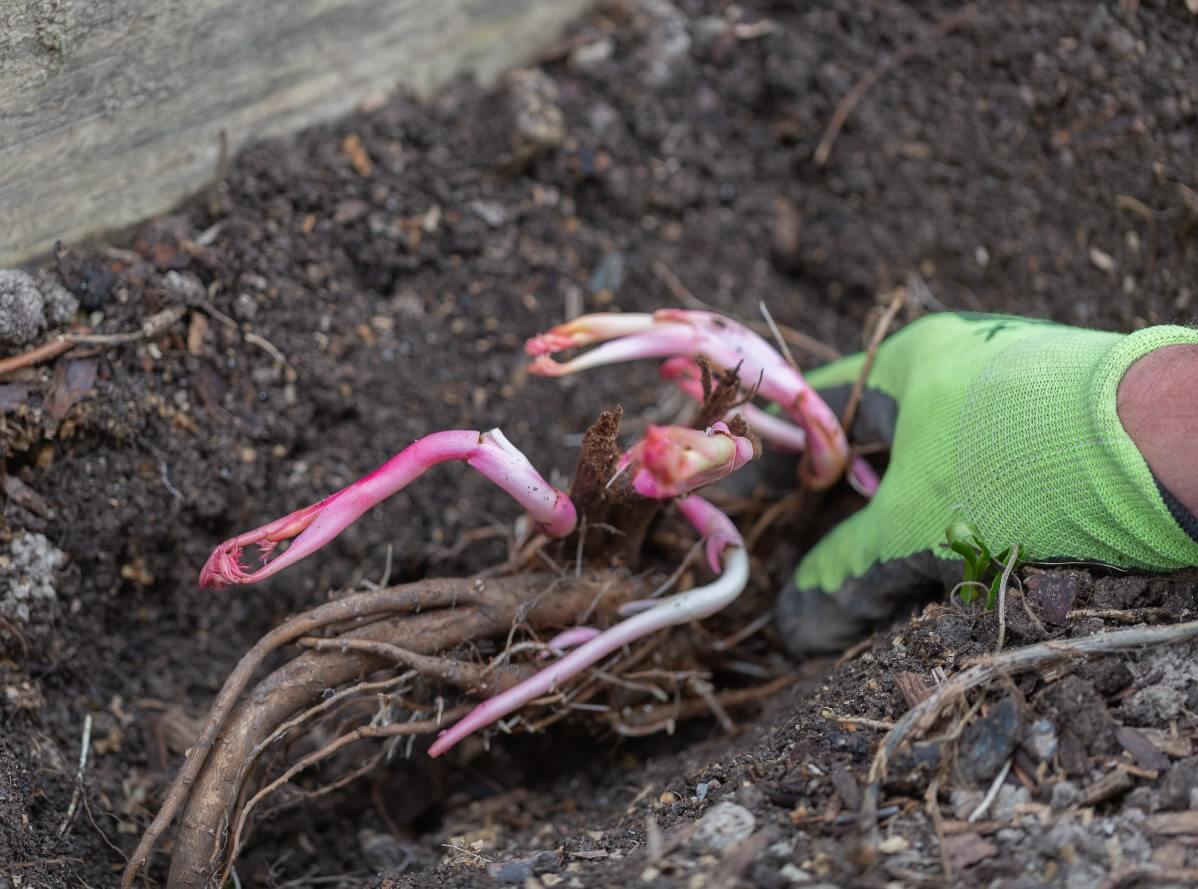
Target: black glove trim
x,y
815,622
877,414
1184,518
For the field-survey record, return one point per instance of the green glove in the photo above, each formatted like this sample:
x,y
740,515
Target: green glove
x,y
1008,423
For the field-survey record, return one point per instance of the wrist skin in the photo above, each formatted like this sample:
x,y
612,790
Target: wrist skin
x,y
1157,402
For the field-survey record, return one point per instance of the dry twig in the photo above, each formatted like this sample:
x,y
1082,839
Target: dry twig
x,y
840,116
871,352
84,748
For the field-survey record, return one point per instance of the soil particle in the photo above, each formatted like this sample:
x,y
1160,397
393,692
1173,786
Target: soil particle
x,y
1109,676
1118,593
1080,711
29,571
1169,682
1180,788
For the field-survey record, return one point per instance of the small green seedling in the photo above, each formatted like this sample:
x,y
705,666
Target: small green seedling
x,y
983,570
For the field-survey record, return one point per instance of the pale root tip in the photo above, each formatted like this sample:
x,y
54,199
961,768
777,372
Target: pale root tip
x,y
446,741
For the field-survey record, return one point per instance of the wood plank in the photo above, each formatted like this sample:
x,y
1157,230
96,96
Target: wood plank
x,y
114,110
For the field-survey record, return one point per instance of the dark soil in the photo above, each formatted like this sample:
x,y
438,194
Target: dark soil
x,y
365,283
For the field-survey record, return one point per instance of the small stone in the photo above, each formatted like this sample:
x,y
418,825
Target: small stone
x,y
22,308
29,575
1121,42
350,210
967,849
383,852
1180,785
668,42
724,825
186,288
1143,751
1041,740
893,845
1065,794
988,743
1102,260
1054,594
964,802
795,874
592,55
608,274
245,307
520,870
492,213
1008,800
537,121
59,304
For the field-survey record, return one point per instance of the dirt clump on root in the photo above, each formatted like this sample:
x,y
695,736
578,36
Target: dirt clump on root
x,y
343,292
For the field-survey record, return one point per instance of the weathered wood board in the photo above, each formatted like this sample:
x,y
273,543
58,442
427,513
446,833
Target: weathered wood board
x,y
113,110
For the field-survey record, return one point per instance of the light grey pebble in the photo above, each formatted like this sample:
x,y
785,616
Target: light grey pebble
x,y
22,308
724,825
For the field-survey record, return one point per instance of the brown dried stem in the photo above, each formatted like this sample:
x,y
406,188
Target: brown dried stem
x,y
840,116
871,352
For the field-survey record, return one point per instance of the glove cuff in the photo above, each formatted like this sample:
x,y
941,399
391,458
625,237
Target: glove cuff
x,y
1154,524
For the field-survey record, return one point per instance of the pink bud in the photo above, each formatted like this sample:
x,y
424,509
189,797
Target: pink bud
x,y
673,460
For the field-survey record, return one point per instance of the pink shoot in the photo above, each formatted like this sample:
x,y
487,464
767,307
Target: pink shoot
x,y
588,329
673,460
686,375
722,540
488,452
727,344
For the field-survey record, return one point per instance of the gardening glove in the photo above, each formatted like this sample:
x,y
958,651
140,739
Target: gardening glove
x,y
1007,423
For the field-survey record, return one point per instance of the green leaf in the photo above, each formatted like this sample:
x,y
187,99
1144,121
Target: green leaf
x,y
992,597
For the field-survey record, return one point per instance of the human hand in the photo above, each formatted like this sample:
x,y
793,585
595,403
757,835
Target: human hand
x,y
1036,433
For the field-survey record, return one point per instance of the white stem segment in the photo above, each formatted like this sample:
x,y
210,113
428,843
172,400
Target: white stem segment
x,y
680,609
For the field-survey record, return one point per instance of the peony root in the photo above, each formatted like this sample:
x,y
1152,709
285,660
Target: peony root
x,y
240,727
